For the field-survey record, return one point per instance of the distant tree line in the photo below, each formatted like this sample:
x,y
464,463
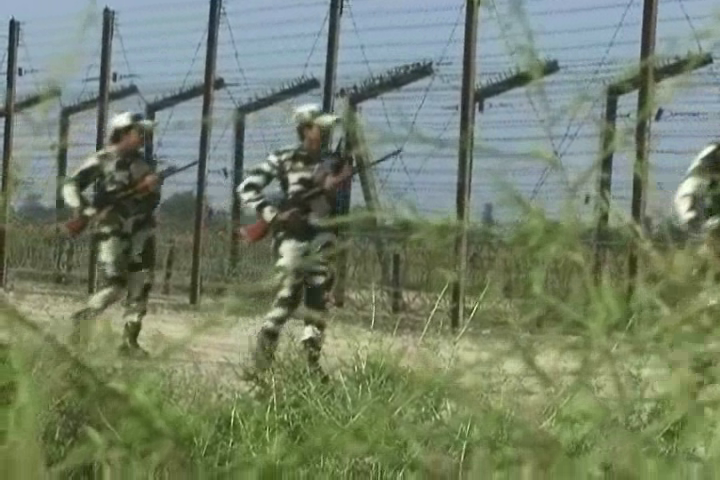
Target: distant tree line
x,y
177,211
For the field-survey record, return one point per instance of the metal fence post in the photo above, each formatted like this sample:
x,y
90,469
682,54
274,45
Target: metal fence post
x,y
12,71
465,159
102,113
205,132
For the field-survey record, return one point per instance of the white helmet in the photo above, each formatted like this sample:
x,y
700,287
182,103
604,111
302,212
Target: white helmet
x,y
312,114
129,119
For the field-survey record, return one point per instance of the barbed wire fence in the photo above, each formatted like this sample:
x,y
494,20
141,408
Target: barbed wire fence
x,y
273,54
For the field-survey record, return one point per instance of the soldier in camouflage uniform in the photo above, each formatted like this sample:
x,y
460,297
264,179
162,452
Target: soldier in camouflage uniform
x,y
697,206
697,200
124,231
300,242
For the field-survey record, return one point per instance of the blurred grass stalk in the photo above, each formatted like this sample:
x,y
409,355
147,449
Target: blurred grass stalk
x,y
551,376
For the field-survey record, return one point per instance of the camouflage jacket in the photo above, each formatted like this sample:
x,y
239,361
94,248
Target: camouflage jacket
x,y
697,200
113,173
297,173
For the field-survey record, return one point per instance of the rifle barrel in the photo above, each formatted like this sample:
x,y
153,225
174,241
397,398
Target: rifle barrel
x,y
314,192
382,159
173,170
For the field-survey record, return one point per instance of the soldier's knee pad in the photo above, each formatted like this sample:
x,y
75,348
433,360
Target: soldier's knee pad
x,y
135,267
316,297
149,254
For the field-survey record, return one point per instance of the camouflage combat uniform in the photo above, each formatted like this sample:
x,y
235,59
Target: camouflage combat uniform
x,y
697,206
125,237
303,254
697,201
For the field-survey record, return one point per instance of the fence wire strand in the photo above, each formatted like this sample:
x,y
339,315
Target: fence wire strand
x,y
262,46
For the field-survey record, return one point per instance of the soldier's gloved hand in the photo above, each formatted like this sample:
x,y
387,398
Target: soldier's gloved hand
x,y
81,218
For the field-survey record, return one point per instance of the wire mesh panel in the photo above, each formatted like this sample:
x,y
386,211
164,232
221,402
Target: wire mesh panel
x,y
535,144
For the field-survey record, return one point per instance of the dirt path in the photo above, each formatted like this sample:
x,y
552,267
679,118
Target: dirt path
x,y
208,340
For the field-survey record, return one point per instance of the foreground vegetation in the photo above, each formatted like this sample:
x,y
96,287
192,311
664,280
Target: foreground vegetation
x,y
387,416
588,383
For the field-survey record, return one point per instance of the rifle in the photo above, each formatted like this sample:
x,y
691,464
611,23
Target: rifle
x,y
77,225
258,230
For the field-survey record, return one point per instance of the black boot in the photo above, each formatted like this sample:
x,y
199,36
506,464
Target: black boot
x,y
264,354
312,349
130,346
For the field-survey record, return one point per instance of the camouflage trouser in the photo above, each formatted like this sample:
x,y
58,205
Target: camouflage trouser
x,y
127,264
303,264
147,272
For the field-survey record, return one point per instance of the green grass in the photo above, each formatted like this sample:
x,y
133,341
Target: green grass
x,y
395,415
378,419
550,376
391,415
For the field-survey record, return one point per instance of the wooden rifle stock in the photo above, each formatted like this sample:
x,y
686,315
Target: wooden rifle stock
x,y
255,232
259,230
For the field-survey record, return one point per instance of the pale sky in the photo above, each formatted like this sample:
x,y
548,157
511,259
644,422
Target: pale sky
x,y
264,43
